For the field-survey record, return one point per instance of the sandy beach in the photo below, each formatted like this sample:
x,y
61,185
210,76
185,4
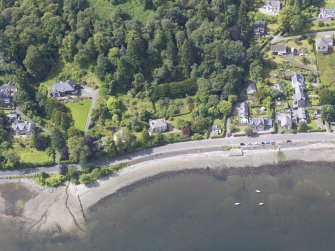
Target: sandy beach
x,y
62,211
213,161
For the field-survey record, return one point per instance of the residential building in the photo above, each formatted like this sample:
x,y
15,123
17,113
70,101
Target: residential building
x,y
63,89
251,88
284,121
216,130
158,125
299,99
327,14
260,124
23,128
272,6
302,115
297,79
324,44
259,28
278,49
298,83
7,92
243,113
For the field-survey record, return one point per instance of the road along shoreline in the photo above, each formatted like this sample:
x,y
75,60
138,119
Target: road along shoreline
x,y
62,211
216,162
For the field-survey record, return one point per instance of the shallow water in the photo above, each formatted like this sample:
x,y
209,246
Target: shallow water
x,y
197,212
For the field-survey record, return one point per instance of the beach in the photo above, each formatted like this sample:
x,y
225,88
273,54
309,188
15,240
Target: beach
x,y
62,211
211,161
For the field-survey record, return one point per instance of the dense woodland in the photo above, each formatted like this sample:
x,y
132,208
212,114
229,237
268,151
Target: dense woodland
x,y
199,51
194,49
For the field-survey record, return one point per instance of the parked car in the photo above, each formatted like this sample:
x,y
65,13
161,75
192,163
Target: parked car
x,y
288,141
242,144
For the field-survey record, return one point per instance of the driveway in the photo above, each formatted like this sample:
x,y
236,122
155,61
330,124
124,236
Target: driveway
x,y
279,37
93,94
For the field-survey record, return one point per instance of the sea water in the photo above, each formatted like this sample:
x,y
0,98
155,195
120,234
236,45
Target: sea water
x,y
197,212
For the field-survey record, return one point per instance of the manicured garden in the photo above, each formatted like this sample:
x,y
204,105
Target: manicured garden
x,y
79,112
29,155
326,65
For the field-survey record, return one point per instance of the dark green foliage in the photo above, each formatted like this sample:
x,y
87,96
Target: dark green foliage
x,y
180,89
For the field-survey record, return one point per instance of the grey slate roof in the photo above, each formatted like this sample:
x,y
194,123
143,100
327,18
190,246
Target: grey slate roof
x,y
26,128
274,3
297,79
244,110
8,89
301,113
278,47
299,92
251,88
62,87
157,123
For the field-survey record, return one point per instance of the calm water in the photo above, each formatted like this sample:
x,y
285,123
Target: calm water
x,y
197,212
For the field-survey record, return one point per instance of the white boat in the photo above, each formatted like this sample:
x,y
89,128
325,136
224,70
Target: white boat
x,y
258,191
261,204
237,204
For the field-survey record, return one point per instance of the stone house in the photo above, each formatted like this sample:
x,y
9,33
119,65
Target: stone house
x,y
260,124
259,28
216,130
324,44
23,128
251,88
284,121
272,6
327,14
7,92
302,115
158,125
63,89
278,49
243,113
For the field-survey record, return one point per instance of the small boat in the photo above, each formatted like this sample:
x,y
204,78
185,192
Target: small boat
x,y
237,204
258,191
261,204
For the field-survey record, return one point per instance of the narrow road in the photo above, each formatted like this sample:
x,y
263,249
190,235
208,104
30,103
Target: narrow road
x,y
18,111
279,37
189,147
93,94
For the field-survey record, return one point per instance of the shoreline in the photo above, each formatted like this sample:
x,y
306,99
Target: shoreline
x,y
215,162
62,211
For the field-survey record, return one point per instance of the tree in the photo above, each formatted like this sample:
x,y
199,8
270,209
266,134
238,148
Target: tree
x,y
328,113
37,61
145,135
225,107
248,131
302,127
75,146
12,159
187,56
110,146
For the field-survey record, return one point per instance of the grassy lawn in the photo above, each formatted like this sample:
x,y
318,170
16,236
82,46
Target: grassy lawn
x,y
330,4
328,25
31,155
312,125
314,101
79,113
187,116
326,67
133,8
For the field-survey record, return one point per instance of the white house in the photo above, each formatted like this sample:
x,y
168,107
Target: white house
x,y
158,125
272,6
243,113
